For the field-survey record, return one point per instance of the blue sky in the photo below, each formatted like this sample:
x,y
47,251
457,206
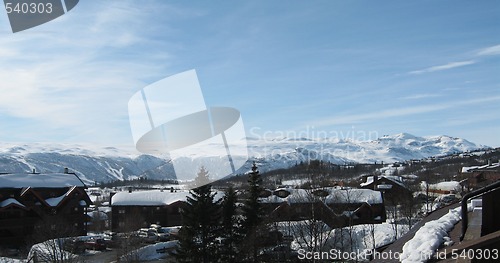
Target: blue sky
x,y
309,67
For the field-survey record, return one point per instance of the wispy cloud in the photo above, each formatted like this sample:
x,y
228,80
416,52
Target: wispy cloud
x,y
489,51
450,65
399,112
421,96
79,74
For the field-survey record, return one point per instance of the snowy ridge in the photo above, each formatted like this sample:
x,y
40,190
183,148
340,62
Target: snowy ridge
x,y
283,153
103,164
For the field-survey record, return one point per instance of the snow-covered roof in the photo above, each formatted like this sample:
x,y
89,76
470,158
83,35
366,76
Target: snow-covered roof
x,y
481,167
10,201
393,178
369,180
54,180
98,215
334,196
152,197
446,186
55,200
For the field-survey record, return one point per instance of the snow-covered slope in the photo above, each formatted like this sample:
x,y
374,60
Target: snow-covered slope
x,y
396,148
101,165
108,163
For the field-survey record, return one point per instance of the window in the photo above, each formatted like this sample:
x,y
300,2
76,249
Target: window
x,y
121,211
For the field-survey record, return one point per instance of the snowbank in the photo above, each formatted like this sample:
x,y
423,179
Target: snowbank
x,y
153,197
152,252
428,238
50,251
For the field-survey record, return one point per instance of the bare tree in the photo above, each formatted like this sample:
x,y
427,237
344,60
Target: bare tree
x,y
52,242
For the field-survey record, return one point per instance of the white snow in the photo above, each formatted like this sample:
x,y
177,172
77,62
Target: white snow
x,y
486,166
447,186
54,201
152,197
97,163
148,198
369,180
360,238
98,215
152,252
429,237
11,260
335,196
51,250
52,180
10,201
294,182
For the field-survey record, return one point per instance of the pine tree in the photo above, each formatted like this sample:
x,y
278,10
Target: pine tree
x,y
200,226
231,228
202,177
253,213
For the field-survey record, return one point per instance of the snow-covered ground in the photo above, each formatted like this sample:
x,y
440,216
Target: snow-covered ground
x,y
361,239
429,237
152,252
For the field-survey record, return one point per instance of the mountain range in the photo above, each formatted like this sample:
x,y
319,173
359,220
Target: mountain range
x,y
108,163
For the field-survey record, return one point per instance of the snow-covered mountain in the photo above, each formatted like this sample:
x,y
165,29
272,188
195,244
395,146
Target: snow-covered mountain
x,y
285,152
101,165
108,163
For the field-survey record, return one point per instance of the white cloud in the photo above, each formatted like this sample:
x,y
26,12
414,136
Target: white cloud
x,y
450,65
399,112
421,96
78,76
489,51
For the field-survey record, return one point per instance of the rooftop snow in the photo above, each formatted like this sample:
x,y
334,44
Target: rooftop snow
x,y
395,179
55,180
55,200
152,197
335,195
10,201
449,186
487,166
429,237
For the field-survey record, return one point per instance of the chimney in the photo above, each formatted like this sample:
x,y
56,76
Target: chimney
x,y
130,189
111,197
66,170
375,182
34,171
489,162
